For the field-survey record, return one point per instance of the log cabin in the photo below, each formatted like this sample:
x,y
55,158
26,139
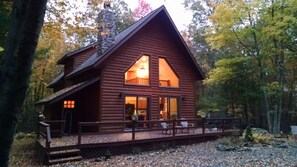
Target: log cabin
x,y
146,70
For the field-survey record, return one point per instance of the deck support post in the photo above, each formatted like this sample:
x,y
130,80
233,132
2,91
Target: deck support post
x,y
133,129
173,125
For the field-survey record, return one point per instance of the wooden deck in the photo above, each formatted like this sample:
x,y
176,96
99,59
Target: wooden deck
x,y
98,143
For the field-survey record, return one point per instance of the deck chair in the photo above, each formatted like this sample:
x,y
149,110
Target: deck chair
x,y
185,126
165,128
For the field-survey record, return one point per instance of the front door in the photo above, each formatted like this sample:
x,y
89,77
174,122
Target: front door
x,y
68,122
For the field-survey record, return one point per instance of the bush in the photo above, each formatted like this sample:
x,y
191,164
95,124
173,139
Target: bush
x,y
22,150
262,136
21,135
248,135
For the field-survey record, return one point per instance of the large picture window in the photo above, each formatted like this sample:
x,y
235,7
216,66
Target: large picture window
x,y
167,77
139,72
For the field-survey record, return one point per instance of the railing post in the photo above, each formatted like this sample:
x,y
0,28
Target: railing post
x,y
79,134
48,139
62,128
203,125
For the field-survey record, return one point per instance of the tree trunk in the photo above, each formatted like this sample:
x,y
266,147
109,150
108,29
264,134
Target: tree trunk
x,y
26,22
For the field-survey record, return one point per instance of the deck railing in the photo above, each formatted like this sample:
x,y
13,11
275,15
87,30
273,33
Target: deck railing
x,y
44,131
210,124
57,127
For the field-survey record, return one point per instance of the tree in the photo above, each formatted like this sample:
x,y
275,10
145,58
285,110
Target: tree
x,y
58,38
5,7
142,9
263,31
26,22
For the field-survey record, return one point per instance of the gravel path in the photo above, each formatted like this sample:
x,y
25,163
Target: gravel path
x,y
201,155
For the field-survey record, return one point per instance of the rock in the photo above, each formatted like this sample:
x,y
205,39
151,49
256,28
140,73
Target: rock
x,y
222,147
247,144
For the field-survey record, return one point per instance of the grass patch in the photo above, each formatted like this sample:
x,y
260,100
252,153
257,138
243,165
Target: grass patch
x,y
22,151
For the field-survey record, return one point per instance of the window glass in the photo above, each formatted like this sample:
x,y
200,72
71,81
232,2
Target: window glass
x,y
69,104
168,108
167,77
137,105
139,72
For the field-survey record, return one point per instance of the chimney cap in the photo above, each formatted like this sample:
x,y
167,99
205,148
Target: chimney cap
x,y
107,4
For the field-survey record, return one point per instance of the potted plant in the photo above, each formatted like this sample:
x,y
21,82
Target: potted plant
x,y
135,116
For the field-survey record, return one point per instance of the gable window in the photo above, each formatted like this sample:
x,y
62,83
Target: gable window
x,y
167,77
139,72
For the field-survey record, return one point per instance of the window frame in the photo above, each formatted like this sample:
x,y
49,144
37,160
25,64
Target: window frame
x,y
149,71
148,97
178,112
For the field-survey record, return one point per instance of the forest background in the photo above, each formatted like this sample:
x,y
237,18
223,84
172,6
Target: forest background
x,y
247,49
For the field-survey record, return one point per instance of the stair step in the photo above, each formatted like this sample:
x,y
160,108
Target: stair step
x,y
63,152
63,160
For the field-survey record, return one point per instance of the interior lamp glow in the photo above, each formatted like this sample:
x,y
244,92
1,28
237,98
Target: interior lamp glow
x,y
141,72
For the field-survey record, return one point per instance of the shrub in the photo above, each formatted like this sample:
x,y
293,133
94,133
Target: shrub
x,y
22,150
248,135
262,136
21,135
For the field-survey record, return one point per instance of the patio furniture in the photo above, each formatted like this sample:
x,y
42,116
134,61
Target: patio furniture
x,y
165,128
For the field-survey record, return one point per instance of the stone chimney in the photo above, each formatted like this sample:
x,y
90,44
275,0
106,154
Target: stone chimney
x,y
107,29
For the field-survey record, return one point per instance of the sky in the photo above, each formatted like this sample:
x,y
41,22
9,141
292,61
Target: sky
x,y
175,8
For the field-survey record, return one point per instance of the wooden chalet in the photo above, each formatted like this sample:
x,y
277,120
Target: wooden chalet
x,y
146,70
144,73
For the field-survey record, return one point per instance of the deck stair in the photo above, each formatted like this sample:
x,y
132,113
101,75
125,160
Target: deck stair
x,y
63,156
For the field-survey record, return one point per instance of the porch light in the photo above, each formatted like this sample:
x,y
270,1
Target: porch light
x,y
141,72
69,103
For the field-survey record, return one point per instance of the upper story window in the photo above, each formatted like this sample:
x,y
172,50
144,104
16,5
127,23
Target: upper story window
x,y
139,72
167,77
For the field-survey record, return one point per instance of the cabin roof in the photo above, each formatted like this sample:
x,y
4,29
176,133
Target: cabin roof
x,y
61,94
122,37
56,80
66,56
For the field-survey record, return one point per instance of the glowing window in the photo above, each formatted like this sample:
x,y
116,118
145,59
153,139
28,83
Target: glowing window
x,y
139,72
167,77
69,104
168,108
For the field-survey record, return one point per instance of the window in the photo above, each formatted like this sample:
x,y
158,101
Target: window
x,y
137,105
167,77
168,107
69,104
139,72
